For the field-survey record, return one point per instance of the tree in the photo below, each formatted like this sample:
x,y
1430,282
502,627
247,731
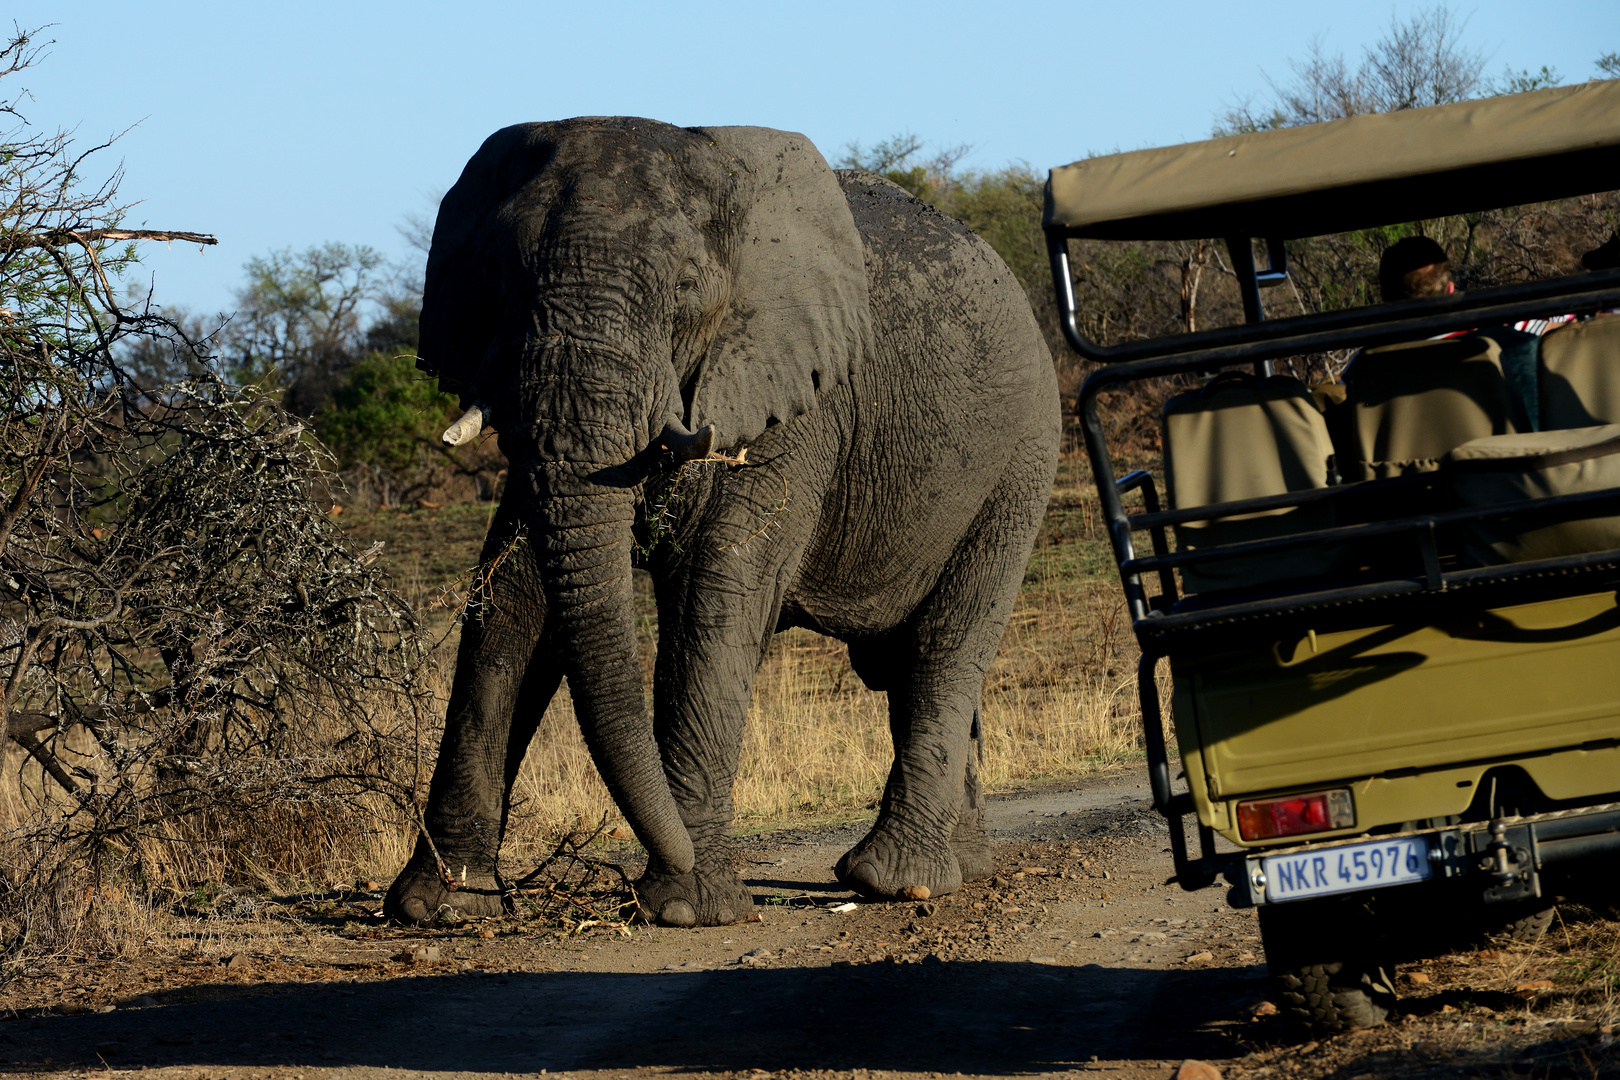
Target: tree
x,y
333,330
384,425
299,320
1417,63
1524,80
895,159
191,653
1420,62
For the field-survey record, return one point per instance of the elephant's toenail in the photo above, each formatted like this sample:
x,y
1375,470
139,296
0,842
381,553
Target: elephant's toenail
x,y
413,910
864,879
677,912
725,917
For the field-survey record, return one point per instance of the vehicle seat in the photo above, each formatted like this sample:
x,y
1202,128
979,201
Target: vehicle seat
x,y
1240,437
1412,403
1580,374
1537,465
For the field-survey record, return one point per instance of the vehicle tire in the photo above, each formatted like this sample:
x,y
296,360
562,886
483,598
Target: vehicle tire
x,y
1330,998
1330,963
1590,884
1521,922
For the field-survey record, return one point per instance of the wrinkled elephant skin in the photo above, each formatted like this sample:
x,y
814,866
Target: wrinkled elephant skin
x,y
616,296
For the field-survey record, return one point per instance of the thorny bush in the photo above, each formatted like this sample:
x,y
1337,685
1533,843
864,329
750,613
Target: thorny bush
x,y
196,670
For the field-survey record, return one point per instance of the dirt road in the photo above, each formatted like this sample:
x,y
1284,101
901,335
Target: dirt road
x,y
1077,957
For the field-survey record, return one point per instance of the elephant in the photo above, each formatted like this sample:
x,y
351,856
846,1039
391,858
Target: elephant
x,y
621,300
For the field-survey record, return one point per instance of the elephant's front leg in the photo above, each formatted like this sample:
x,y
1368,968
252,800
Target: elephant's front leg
x,y
716,617
702,697
502,686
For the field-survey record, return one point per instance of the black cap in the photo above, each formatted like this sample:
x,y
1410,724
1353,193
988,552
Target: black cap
x,y
1403,257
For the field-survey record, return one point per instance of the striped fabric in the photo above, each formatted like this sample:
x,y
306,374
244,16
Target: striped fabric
x,y
1541,326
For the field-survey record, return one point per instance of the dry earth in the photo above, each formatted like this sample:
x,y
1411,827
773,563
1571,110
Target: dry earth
x,y
1077,958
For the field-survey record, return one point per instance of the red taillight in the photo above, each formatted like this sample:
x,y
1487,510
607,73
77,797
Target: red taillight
x,y
1293,815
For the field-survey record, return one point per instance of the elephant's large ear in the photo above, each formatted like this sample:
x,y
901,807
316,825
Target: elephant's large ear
x,y
460,300
798,322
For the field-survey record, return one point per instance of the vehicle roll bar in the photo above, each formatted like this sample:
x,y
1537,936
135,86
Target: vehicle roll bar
x,y
1379,324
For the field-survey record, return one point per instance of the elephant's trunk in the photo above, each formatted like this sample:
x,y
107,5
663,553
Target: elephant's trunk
x,y
584,543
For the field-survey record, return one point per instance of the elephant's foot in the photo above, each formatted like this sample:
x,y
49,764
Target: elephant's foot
x,y
884,867
696,899
419,895
970,843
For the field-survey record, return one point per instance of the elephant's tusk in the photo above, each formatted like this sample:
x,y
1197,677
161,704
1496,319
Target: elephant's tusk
x,y
687,446
467,428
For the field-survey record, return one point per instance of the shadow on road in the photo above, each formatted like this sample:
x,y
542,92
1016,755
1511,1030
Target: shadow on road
x,y
801,887
990,1017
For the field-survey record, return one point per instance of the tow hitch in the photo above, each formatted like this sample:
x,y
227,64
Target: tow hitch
x,y
1510,863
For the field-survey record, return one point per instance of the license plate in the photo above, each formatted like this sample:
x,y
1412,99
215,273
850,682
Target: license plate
x,y
1346,869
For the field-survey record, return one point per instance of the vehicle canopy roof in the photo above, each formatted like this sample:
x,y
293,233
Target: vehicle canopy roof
x,y
1348,174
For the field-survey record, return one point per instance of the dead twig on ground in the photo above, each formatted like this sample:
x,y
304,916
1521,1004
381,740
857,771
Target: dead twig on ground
x,y
571,887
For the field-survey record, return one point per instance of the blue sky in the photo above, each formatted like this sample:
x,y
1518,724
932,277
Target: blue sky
x,y
293,123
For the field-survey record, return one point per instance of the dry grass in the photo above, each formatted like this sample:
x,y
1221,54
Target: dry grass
x,y
120,903
1543,1009
1571,973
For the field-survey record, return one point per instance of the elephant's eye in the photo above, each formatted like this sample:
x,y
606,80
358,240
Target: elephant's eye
x,y
686,287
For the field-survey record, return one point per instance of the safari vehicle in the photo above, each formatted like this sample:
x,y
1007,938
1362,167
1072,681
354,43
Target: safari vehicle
x,y
1391,622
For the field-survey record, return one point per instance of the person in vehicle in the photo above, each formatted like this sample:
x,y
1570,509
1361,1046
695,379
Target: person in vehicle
x,y
1411,269
1414,268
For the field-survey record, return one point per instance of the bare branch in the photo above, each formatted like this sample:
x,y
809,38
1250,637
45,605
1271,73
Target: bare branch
x,y
87,237
47,760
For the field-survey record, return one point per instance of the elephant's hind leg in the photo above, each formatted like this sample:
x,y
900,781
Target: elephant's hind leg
x,y
909,853
970,842
502,686
930,832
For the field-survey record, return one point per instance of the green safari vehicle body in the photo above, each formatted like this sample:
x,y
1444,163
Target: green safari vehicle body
x,y
1390,612
1410,719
